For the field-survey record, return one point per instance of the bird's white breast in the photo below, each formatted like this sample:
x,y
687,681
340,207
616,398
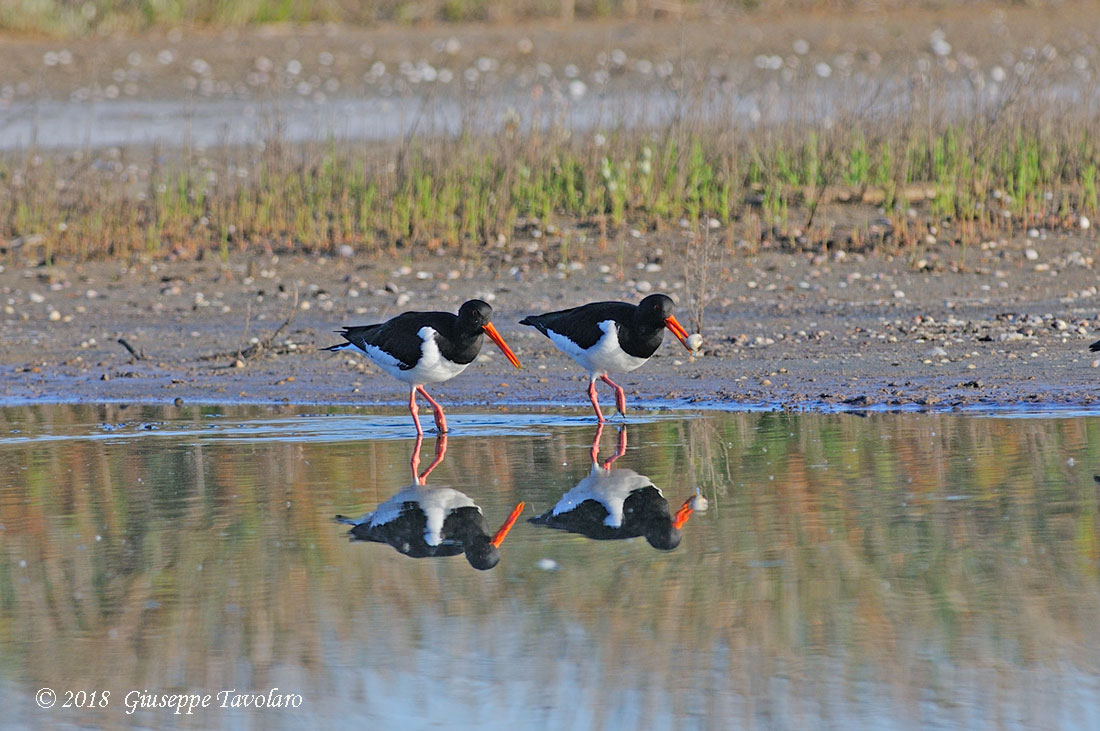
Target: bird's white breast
x,y
432,367
605,356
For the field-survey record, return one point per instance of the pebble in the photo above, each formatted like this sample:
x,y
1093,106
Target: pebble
x,y
1084,223
547,564
1031,254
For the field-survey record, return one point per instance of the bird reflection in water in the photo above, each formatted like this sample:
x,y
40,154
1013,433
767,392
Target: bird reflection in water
x,y
612,504
422,521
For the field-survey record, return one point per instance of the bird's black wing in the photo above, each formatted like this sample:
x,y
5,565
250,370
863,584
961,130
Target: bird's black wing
x,y
581,324
399,337
1095,346
585,519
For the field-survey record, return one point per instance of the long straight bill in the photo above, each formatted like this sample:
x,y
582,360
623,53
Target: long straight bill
x,y
683,514
501,534
496,338
678,330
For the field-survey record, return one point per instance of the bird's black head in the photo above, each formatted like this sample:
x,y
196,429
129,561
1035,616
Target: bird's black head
x,y
654,310
482,554
661,535
473,315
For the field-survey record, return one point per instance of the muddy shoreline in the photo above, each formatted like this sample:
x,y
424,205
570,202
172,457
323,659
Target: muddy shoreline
x,y
1007,324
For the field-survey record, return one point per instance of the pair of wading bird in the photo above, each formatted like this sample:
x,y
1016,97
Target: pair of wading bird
x,y
431,347
608,504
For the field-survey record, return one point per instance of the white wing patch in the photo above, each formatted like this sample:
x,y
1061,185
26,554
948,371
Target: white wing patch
x,y
605,356
610,488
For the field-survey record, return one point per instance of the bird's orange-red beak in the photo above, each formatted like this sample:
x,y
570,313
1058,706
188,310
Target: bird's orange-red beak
x,y
677,330
501,534
496,338
683,514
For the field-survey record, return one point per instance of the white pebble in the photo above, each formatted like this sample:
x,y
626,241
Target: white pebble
x,y
547,564
1084,222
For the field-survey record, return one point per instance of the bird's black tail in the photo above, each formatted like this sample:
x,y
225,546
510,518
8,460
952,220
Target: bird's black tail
x,y
534,321
1095,346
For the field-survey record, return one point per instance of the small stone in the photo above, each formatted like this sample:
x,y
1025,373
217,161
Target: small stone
x,y
238,363
1031,254
699,503
1084,223
546,564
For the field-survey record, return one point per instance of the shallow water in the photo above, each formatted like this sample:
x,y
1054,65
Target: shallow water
x,y
208,122
885,571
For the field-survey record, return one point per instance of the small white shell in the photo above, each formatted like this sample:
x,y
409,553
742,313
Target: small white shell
x,y
695,342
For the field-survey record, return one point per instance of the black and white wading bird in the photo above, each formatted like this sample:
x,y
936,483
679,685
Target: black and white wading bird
x,y
424,522
610,337
611,504
426,347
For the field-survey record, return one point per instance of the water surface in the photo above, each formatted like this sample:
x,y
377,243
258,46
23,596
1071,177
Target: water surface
x,y
886,571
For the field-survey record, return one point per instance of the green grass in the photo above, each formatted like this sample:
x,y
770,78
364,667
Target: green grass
x,y
78,17
467,194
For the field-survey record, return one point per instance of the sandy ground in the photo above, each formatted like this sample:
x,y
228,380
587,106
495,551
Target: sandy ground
x,y
1006,324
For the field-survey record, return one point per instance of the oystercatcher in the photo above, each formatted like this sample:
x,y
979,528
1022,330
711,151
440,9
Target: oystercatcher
x,y
610,337
611,504
426,347
422,521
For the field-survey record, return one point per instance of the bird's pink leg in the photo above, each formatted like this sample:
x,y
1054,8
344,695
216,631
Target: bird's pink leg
x,y
618,452
416,419
595,401
440,451
620,395
595,453
596,444
415,461
440,419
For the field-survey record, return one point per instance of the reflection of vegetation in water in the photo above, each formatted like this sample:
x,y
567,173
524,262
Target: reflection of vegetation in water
x,y
910,549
